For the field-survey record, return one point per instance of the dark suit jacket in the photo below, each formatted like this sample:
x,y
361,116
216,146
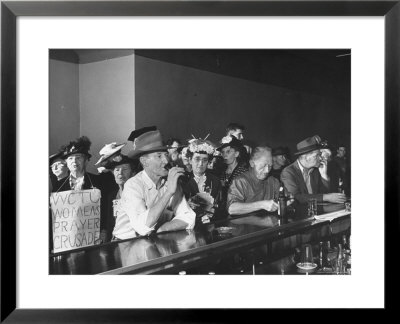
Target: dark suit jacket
x,y
293,181
89,179
190,188
56,184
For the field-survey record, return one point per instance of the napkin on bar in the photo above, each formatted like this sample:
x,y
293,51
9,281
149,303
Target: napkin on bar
x,y
333,215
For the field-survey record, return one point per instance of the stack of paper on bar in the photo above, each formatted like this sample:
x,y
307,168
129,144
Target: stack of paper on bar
x,y
333,215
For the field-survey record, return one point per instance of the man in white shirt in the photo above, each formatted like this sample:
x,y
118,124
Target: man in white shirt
x,y
152,200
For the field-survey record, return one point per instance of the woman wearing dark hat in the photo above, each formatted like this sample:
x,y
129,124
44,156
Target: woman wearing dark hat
x,y
123,168
230,149
59,171
76,154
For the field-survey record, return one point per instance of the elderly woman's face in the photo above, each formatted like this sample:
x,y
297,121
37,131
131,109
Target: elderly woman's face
x,y
229,154
199,163
59,168
77,162
122,173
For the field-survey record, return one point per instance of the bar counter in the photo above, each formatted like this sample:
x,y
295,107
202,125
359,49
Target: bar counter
x,y
255,239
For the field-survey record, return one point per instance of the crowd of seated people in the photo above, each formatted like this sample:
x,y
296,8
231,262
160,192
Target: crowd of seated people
x,y
161,185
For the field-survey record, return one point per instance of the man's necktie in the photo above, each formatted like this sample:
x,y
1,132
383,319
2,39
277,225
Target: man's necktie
x,y
306,177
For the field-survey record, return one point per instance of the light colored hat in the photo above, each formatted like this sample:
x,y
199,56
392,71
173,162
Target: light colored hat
x,y
108,150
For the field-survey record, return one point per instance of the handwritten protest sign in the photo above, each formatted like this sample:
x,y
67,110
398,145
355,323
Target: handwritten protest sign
x,y
76,218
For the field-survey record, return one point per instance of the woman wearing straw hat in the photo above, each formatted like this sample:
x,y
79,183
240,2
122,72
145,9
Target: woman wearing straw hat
x,y
123,168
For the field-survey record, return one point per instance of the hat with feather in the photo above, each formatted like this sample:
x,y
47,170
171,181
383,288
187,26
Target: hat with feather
x,y
80,145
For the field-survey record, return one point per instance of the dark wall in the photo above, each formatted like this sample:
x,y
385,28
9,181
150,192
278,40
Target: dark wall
x,y
183,100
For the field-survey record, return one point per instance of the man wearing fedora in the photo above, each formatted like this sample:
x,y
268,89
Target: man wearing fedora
x,y
153,200
307,177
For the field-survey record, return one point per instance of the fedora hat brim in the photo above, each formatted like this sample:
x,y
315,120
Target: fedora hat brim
x,y
138,153
308,149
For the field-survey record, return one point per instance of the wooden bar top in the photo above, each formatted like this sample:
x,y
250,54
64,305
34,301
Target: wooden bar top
x,y
170,250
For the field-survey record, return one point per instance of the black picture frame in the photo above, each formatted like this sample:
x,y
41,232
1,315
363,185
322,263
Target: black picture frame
x,y
10,10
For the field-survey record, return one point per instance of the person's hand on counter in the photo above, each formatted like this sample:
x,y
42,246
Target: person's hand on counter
x,y
269,205
335,197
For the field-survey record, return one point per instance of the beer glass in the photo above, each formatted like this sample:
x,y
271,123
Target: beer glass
x,y
312,207
307,256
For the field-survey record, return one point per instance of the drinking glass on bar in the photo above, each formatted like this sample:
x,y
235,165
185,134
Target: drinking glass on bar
x,y
312,207
307,256
347,206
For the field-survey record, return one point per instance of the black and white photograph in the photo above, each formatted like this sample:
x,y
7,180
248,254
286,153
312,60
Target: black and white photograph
x,y
161,159
200,161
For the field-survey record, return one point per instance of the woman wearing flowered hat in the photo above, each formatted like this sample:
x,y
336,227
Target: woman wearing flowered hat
x,y
123,168
199,153
230,149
